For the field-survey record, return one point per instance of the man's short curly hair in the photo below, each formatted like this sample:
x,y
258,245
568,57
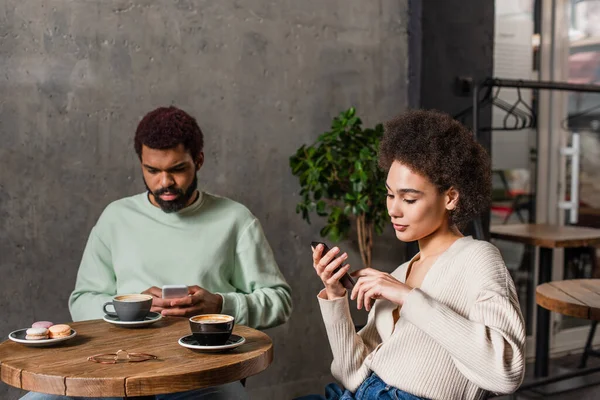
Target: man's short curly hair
x,y
167,128
438,147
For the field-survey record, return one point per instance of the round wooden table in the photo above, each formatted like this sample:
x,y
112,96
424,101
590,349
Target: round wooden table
x,y
65,370
547,237
575,297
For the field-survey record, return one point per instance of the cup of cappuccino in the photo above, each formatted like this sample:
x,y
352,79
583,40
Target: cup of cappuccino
x,y
129,307
212,329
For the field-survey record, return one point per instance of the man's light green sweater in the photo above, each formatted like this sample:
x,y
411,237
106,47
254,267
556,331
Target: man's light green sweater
x,y
214,243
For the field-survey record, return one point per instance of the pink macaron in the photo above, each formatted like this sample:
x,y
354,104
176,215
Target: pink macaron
x,y
42,324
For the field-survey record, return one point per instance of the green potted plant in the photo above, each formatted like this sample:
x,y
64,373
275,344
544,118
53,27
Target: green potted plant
x,y
340,180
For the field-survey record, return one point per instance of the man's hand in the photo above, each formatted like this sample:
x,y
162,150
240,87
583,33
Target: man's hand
x,y
158,303
373,285
198,301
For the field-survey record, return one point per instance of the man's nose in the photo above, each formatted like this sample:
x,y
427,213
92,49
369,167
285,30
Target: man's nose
x,y
166,180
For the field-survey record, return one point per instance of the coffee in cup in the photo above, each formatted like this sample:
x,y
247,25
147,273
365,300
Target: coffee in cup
x,y
130,307
212,329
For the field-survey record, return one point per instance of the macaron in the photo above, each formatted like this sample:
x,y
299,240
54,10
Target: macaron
x,y
59,331
36,334
42,324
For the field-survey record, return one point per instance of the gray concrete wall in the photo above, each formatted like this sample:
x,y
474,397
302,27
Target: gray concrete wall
x,y
262,78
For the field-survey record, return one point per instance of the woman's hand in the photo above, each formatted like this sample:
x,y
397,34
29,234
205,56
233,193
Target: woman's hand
x,y
325,268
373,285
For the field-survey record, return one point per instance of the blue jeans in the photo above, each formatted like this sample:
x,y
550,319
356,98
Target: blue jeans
x,y
372,388
230,391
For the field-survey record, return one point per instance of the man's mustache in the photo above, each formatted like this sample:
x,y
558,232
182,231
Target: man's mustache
x,y
171,189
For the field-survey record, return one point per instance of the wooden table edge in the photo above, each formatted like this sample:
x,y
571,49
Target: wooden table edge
x,y
10,375
573,309
140,386
145,386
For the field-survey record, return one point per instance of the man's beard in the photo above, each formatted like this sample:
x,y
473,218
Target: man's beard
x,y
170,206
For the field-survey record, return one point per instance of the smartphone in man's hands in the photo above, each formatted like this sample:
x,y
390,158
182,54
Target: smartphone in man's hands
x,y
174,291
347,281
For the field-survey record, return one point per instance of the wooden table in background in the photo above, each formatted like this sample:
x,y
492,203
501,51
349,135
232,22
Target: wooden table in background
x,y
546,237
578,298
65,370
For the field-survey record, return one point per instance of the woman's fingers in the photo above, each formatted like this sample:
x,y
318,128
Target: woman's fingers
x,y
355,289
321,262
370,295
317,257
327,258
360,293
325,271
317,254
365,292
336,263
359,284
367,272
338,275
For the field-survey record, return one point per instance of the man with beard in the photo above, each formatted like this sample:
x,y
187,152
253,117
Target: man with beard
x,y
177,234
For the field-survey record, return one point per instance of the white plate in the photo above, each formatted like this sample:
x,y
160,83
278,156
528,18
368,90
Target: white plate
x,y
19,337
151,318
191,343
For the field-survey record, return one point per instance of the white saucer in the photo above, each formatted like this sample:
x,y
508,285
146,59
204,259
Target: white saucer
x,y
191,343
151,318
19,337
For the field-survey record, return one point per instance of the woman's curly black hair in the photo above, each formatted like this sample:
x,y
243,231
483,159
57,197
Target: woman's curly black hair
x,y
438,147
167,128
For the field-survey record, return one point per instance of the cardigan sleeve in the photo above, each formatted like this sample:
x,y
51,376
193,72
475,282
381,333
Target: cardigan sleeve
x,y
350,349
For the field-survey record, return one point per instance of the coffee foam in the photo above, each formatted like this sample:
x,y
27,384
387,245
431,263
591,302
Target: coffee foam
x,y
133,297
212,318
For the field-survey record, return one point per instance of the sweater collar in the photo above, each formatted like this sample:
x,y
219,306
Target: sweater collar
x,y
178,215
453,248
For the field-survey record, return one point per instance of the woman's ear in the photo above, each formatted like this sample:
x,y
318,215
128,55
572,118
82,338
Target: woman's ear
x,y
452,196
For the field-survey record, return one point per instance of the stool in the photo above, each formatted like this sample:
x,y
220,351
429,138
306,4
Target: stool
x,y
588,350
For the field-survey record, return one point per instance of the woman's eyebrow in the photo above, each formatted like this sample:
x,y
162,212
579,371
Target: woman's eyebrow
x,y
404,190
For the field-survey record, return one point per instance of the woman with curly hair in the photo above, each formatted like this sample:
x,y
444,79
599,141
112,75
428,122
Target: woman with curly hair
x,y
447,323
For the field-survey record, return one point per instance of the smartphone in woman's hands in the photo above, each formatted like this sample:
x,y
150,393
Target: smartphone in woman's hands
x,y
347,281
